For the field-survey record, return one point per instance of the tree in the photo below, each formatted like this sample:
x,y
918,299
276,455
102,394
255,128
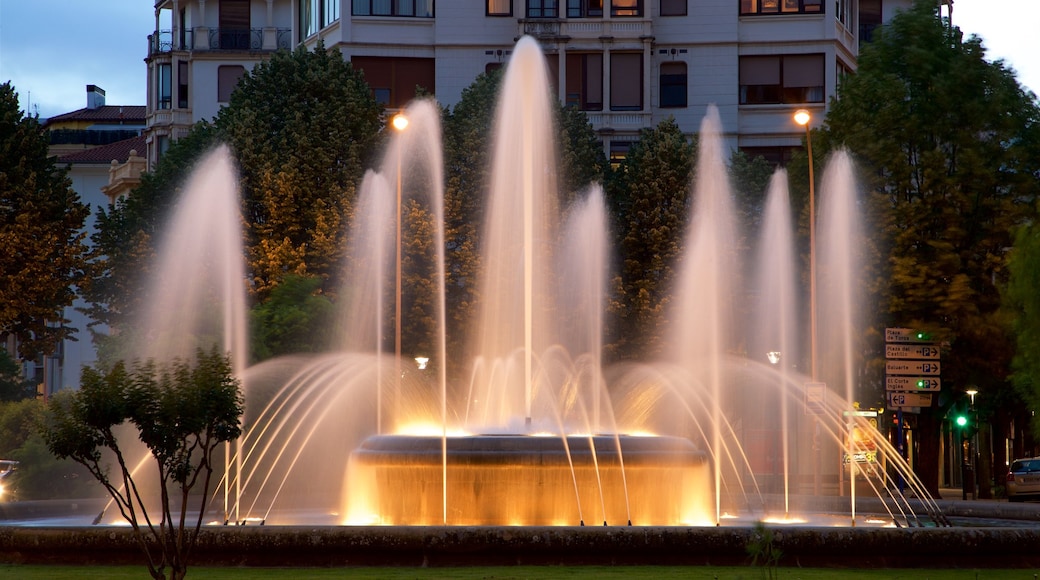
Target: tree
x,y
182,411
13,386
650,199
295,318
947,144
1022,304
302,126
41,233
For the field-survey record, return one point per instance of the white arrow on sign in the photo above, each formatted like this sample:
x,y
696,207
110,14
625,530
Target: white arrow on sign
x,y
920,384
912,367
912,351
909,400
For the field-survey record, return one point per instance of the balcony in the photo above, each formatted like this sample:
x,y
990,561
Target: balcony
x,y
251,39
563,30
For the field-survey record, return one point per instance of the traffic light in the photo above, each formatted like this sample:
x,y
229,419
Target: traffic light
x,y
961,420
922,336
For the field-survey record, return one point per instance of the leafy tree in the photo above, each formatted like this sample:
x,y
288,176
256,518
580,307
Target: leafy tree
x,y
13,386
650,197
1022,304
582,161
295,318
182,412
41,223
948,146
302,126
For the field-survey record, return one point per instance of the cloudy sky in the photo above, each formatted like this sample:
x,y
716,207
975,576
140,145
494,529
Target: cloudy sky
x,y
51,49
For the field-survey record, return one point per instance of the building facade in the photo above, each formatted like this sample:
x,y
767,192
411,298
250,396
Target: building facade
x,y
629,64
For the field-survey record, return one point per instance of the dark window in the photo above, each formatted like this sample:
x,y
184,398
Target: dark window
x,y
585,81
673,84
618,153
869,19
234,24
626,81
584,8
780,7
227,79
394,80
182,84
499,7
673,7
411,8
781,79
626,7
163,94
542,9
492,67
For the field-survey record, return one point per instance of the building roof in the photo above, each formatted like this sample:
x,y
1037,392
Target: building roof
x,y
119,151
128,114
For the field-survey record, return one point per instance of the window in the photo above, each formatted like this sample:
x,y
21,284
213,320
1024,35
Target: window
x,y
163,96
673,84
673,7
844,15
626,81
781,79
227,79
584,8
776,156
869,19
394,80
412,8
626,7
329,12
317,14
234,24
541,8
585,81
499,7
492,67
182,84
781,7
618,152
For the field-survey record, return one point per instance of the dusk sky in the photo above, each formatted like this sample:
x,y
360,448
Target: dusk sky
x,y
51,49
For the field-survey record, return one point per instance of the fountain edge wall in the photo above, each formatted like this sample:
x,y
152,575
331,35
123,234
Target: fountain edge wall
x,y
462,546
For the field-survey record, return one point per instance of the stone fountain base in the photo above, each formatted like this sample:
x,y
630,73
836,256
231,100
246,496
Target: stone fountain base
x,y
524,480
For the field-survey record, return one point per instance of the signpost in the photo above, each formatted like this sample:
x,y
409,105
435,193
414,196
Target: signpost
x,y
911,375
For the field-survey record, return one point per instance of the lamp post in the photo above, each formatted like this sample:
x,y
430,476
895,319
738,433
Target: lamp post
x,y
400,123
803,117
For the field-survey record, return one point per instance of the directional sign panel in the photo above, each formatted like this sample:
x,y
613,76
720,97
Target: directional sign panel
x,y
909,400
912,351
906,335
919,384
912,367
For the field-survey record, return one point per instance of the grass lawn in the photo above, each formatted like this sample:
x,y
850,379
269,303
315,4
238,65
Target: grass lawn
x,y
517,573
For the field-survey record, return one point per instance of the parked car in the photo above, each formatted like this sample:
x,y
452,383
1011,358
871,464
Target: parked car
x,y
1023,479
7,467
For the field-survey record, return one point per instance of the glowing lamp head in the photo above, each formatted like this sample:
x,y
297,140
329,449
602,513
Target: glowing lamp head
x,y
773,356
400,122
802,117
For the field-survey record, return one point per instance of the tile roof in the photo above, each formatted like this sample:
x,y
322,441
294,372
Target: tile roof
x,y
132,114
120,151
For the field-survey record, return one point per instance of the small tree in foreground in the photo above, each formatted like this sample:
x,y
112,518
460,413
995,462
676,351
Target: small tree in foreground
x,y
182,411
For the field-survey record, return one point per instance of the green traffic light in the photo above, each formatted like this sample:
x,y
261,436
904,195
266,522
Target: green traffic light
x,y
962,420
921,335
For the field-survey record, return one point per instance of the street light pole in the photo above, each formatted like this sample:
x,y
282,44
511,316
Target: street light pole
x,y
802,117
400,123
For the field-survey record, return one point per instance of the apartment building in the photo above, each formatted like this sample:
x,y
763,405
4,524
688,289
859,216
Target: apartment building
x,y
628,64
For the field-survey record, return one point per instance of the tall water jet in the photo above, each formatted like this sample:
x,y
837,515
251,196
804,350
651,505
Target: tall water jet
x,y
704,314
777,307
839,286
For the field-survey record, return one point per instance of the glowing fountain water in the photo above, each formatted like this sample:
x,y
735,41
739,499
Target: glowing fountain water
x,y
334,436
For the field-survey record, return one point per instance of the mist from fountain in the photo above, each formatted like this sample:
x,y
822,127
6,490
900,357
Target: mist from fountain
x,y
358,435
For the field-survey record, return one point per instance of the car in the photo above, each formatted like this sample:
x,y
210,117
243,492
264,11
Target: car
x,y
7,467
1023,479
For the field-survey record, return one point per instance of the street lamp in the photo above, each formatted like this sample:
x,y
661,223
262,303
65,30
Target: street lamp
x,y
421,362
399,123
802,117
773,356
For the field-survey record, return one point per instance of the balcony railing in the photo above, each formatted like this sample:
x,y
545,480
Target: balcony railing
x,y
163,41
586,29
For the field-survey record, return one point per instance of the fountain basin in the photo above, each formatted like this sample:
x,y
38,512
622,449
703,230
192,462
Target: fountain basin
x,y
528,480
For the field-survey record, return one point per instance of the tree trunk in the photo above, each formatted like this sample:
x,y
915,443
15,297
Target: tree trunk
x,y
984,467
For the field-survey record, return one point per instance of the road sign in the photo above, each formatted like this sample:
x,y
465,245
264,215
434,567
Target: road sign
x,y
814,398
912,351
918,384
896,400
907,335
912,367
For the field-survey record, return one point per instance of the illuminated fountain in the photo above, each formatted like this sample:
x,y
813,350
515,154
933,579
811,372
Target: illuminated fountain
x,y
540,433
